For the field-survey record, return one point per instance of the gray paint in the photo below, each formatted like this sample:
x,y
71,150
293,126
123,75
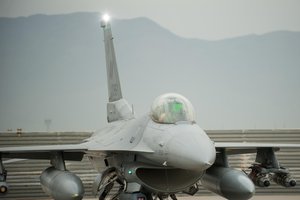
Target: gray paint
x,y
117,107
22,173
162,158
113,81
61,185
229,183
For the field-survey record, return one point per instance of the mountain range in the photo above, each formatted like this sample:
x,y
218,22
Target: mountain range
x,y
53,67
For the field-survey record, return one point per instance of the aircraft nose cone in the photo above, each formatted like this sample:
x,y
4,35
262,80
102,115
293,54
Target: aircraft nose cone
x,y
190,148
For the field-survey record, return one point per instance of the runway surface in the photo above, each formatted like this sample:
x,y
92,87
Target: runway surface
x,y
258,197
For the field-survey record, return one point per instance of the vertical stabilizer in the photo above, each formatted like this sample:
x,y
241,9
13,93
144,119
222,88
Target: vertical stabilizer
x,y
113,81
117,107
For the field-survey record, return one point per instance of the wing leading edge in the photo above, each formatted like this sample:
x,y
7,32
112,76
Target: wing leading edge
x,y
73,152
70,151
249,147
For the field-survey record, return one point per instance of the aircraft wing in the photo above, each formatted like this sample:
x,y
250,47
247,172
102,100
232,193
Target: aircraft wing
x,y
70,151
249,147
73,152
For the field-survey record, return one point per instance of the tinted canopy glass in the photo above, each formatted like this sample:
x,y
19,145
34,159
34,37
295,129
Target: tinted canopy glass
x,y
171,108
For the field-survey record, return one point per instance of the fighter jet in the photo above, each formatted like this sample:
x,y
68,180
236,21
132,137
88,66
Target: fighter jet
x,y
154,156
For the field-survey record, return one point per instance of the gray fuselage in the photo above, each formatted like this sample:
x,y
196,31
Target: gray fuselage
x,y
182,148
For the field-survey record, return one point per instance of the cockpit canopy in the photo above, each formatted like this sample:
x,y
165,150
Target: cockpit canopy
x,y
171,108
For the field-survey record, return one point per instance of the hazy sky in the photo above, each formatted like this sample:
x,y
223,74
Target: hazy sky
x,y
204,19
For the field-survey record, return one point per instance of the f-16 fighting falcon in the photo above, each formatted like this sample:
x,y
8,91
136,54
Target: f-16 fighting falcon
x,y
154,156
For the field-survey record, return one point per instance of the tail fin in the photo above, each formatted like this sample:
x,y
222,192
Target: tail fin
x,y
114,86
117,107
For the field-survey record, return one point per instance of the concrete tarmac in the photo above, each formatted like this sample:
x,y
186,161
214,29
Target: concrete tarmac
x,y
256,197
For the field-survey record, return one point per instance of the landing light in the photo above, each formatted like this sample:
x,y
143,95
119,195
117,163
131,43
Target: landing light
x,y
105,18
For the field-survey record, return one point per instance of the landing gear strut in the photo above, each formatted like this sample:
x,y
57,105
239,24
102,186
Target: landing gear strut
x,y
104,184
